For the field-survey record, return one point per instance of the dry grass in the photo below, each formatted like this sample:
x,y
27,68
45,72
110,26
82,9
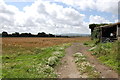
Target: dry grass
x,y
39,42
12,45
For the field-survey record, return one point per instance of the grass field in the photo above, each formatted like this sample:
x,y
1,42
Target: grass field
x,y
33,57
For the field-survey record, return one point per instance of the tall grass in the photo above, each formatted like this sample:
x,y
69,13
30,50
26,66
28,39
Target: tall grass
x,y
108,53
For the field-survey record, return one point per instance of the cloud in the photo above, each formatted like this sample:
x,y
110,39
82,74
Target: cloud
x,y
19,0
107,6
97,19
116,20
99,5
7,13
47,16
42,16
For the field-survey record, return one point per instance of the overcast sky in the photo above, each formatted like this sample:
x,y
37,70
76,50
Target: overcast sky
x,y
55,16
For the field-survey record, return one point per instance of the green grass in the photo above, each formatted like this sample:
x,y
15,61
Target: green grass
x,y
108,54
19,62
91,43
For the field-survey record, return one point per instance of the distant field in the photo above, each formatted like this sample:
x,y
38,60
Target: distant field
x,y
40,42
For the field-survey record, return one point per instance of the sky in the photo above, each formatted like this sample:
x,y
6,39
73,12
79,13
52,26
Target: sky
x,y
55,16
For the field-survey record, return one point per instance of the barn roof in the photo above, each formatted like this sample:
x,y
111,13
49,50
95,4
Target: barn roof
x,y
111,25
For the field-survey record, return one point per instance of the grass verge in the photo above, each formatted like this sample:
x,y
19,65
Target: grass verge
x,y
107,53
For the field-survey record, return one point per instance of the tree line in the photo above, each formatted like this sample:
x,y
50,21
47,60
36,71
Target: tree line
x,y
17,34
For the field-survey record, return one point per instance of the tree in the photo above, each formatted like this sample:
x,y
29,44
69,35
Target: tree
x,y
4,34
43,34
24,35
16,34
51,35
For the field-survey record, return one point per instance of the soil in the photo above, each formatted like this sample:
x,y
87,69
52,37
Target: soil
x,y
68,68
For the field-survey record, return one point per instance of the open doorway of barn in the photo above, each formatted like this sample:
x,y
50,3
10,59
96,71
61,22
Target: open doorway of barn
x,y
109,33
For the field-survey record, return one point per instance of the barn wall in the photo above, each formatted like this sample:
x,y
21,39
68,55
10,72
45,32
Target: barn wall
x,y
119,38
118,33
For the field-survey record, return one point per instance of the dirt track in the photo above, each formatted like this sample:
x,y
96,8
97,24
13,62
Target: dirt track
x,y
68,67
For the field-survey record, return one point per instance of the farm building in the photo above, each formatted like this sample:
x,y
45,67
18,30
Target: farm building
x,y
105,32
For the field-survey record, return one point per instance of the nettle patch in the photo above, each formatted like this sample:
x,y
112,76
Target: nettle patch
x,y
86,69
